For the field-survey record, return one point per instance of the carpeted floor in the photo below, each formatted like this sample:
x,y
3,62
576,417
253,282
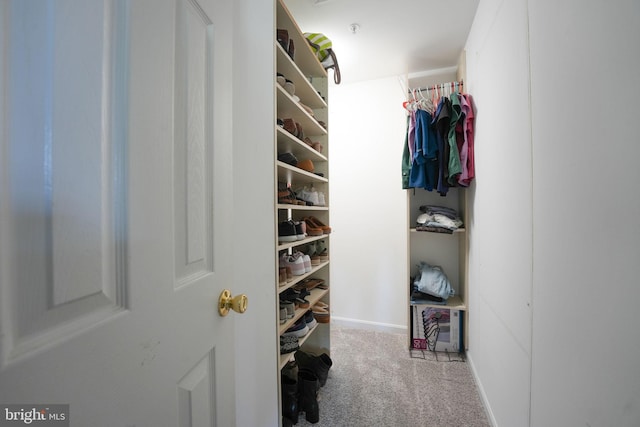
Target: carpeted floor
x,y
374,382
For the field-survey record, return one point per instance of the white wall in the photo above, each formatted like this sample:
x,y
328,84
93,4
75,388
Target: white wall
x,y
586,198
500,238
369,245
554,232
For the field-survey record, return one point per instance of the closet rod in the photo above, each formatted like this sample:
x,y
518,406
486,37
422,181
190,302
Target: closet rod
x,y
434,87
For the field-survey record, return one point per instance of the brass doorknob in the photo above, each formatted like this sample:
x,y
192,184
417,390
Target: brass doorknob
x,y
226,302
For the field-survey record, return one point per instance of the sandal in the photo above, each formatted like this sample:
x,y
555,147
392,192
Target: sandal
x,y
309,284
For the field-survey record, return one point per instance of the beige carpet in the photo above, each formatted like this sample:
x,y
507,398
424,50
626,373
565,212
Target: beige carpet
x,y
375,382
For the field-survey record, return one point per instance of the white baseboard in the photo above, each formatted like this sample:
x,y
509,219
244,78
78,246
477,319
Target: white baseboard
x,y
365,324
481,392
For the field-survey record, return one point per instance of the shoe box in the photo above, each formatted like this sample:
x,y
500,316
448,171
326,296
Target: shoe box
x,y
436,328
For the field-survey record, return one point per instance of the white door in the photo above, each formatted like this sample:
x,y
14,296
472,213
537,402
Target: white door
x,y
115,210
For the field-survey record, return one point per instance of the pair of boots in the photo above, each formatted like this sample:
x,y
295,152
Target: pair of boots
x,y
300,390
300,395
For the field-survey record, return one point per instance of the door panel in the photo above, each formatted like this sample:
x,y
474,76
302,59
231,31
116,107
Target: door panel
x,y
193,169
52,207
115,213
196,395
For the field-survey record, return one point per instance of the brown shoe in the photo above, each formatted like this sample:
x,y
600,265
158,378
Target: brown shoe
x,y
312,230
318,224
321,314
306,165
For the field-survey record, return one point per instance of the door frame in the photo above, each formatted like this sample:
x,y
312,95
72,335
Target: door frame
x,y
254,190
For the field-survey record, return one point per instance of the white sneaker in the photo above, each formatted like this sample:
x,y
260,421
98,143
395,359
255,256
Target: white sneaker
x,y
315,198
296,263
306,259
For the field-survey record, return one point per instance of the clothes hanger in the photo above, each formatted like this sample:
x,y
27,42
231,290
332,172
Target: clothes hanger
x,y
426,103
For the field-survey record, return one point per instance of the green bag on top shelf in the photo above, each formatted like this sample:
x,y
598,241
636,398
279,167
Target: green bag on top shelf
x,y
323,49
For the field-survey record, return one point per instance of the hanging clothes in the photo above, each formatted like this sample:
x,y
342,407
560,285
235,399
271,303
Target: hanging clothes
x,y
406,159
468,129
438,148
442,123
454,167
423,167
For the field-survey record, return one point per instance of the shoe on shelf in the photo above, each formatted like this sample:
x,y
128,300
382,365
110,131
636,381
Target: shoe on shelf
x,y
306,165
288,158
310,249
321,304
282,36
299,329
282,276
288,344
300,230
322,315
287,232
312,230
318,224
294,128
289,307
281,79
297,265
299,132
305,108
308,284
289,87
298,297
310,320
306,259
309,194
321,250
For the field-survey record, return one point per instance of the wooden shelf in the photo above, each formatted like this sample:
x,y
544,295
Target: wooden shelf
x,y
316,295
457,231
454,303
449,252
288,108
289,143
308,95
305,58
289,173
298,279
312,91
302,207
287,245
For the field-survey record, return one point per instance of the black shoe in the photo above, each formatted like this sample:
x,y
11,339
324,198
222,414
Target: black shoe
x,y
287,232
288,158
289,399
308,398
318,365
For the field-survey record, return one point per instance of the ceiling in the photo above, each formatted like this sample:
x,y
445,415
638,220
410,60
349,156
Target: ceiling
x,y
394,37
